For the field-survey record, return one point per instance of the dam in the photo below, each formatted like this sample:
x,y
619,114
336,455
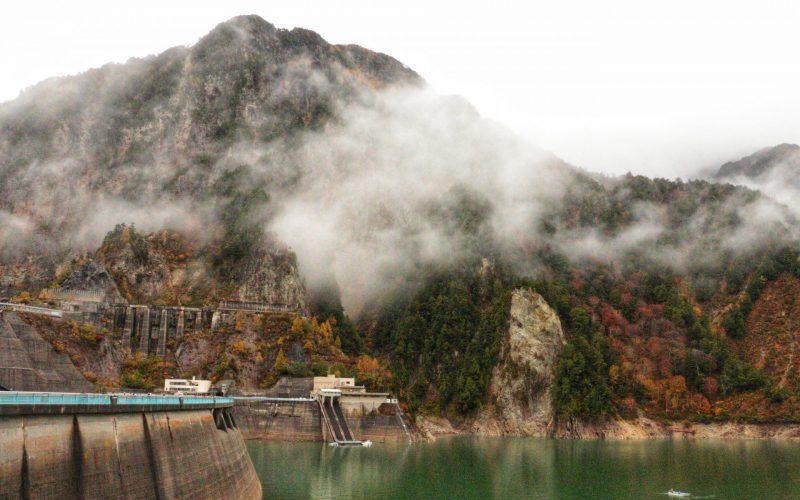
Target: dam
x,y
327,409
87,446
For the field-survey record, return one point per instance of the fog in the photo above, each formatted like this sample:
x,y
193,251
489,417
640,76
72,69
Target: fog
x,y
375,184
659,89
380,187
396,179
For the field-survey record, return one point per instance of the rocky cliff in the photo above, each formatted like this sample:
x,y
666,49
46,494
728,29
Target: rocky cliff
x,y
272,278
84,273
194,139
520,387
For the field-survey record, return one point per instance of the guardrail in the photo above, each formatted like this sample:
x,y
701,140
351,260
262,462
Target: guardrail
x,y
31,309
273,399
67,294
233,305
14,402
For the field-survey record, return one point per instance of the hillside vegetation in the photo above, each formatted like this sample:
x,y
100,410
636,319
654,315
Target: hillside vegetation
x,y
268,165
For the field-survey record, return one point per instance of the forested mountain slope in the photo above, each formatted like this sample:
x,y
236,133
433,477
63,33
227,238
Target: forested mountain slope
x,y
268,165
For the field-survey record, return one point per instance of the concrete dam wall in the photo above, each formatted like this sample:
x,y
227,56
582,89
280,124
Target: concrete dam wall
x,y
301,420
137,455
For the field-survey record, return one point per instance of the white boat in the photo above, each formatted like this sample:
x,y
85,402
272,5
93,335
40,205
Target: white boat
x,y
678,494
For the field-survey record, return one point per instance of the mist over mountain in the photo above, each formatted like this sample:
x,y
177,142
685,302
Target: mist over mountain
x,y
268,165
774,171
175,140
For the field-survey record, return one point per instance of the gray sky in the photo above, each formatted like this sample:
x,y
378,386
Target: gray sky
x,y
658,88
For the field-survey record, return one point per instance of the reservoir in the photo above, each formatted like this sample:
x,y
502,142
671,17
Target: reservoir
x,y
506,468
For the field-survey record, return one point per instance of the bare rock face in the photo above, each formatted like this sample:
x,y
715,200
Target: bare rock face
x,y
141,271
86,274
520,386
272,278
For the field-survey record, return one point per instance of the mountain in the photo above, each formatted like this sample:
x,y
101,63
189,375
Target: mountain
x,y
774,171
427,250
161,141
762,162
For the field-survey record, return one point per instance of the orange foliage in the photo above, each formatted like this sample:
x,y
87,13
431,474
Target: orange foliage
x,y
239,347
367,366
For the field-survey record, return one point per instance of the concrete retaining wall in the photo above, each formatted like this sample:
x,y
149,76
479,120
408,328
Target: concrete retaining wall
x,y
29,363
281,421
378,428
180,454
302,421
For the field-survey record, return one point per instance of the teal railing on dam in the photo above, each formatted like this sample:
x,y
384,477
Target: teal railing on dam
x,y
32,403
272,398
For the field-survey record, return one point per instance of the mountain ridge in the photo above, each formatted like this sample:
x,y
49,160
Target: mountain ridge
x,y
267,165
761,162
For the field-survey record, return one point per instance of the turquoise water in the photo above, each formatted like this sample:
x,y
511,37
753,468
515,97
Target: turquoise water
x,y
466,468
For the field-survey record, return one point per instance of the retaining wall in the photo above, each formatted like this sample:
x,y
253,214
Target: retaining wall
x,y
376,428
279,420
29,363
301,420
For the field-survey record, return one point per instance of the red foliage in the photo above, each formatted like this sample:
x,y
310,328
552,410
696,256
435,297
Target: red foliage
x,y
610,317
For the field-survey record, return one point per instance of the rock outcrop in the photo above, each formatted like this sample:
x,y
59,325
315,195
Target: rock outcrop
x,y
87,274
171,141
520,386
272,278
140,264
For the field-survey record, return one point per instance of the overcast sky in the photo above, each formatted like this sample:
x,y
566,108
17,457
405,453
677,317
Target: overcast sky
x,y
662,88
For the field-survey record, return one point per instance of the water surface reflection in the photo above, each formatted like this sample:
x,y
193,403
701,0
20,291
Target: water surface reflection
x,y
530,468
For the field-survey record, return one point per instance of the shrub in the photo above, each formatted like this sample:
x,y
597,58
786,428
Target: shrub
x,y
297,369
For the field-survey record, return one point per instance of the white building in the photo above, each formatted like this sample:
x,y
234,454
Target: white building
x,y
333,382
184,386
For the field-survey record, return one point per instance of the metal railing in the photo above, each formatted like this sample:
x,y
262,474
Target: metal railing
x,y
55,313
273,399
235,305
67,294
84,399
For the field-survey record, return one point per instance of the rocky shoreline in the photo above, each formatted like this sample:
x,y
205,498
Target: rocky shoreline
x,y
641,428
